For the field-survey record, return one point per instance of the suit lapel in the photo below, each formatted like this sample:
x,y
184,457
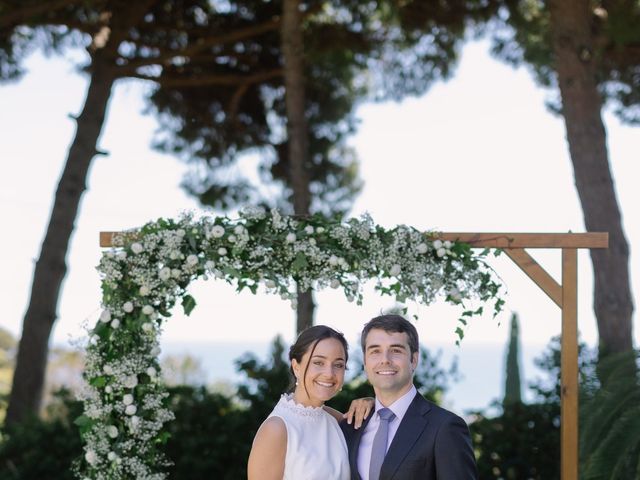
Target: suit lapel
x,y
412,425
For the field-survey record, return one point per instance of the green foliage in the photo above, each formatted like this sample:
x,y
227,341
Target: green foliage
x,y
523,36
39,449
610,421
523,440
210,437
352,50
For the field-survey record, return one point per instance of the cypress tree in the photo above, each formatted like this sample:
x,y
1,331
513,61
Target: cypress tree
x,y
512,390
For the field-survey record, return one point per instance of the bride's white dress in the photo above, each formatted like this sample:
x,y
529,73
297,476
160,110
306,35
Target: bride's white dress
x,y
316,449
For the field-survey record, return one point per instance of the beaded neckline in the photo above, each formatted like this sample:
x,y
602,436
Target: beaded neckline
x,y
287,402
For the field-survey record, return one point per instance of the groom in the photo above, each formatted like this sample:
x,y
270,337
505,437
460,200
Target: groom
x,y
407,437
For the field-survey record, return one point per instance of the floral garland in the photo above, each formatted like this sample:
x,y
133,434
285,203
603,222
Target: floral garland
x,y
125,403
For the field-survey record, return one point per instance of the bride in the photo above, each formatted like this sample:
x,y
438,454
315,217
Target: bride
x,y
301,438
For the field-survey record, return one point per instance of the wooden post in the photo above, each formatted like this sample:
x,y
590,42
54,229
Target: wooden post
x,y
569,366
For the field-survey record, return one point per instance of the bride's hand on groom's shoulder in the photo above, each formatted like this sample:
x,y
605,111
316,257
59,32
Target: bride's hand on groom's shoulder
x,y
359,410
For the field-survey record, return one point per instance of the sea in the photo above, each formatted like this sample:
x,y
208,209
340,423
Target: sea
x,y
481,367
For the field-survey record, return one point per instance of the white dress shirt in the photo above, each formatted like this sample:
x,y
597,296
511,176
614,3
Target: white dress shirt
x,y
399,408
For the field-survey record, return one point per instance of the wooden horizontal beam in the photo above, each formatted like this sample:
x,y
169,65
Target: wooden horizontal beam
x,y
530,240
107,239
486,240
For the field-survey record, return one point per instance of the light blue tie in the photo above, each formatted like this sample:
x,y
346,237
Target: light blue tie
x,y
379,447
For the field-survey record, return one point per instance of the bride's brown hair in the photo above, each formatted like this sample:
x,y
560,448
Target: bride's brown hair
x,y
308,339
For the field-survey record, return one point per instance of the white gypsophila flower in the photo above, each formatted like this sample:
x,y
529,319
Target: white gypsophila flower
x,y
91,457
121,255
131,410
447,244
192,260
269,283
217,231
320,230
335,283
180,232
239,230
441,252
175,254
455,295
127,399
209,264
333,260
164,274
108,389
395,270
437,244
253,213
107,370
151,372
308,229
130,381
115,323
105,316
112,456
222,251
176,273
232,238
112,431
144,291
147,327
127,307
135,421
147,310
137,248
422,248
290,238
155,351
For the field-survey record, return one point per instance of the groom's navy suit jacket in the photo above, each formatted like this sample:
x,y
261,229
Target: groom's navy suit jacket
x,y
431,444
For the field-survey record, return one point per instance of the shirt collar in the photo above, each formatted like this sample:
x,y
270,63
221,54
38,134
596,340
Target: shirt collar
x,y
401,405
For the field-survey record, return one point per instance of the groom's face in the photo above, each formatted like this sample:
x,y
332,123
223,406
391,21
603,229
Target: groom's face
x,y
389,363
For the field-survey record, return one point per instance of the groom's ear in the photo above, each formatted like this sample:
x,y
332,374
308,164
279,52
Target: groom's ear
x,y
414,360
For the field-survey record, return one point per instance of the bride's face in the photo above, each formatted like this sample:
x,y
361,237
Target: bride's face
x,y
324,369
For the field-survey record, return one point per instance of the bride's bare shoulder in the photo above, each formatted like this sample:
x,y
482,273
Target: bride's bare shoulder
x,y
266,460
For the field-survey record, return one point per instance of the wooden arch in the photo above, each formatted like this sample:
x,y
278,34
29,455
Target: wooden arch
x,y
565,295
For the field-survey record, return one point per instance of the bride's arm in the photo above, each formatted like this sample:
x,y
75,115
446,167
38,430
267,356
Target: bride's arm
x,y
358,411
266,460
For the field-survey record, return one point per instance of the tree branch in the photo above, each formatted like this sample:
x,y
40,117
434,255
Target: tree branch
x,y
201,44
211,79
22,15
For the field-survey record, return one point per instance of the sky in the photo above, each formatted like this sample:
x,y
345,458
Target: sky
x,y
478,153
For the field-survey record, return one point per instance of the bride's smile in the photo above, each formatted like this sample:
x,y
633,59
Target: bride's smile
x,y
320,374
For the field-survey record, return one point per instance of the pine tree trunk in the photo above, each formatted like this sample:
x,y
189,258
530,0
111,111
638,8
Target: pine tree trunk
x,y
298,141
581,106
50,269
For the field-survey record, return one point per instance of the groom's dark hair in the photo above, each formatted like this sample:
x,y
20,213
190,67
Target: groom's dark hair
x,y
392,324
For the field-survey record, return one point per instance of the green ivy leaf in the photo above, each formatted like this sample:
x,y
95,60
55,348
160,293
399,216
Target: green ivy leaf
x,y
83,423
188,304
300,262
98,382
